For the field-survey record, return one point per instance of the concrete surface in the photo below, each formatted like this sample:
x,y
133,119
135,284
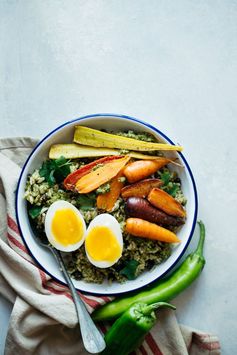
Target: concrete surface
x,y
171,63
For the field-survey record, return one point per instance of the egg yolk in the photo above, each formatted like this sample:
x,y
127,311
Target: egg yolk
x,y
67,228
102,244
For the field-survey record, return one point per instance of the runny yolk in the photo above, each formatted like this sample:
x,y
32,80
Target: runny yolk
x,y
67,228
102,244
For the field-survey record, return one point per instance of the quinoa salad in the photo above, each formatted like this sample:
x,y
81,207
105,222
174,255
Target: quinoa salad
x,y
49,184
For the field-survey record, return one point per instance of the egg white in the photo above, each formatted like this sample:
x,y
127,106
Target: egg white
x,y
56,206
105,220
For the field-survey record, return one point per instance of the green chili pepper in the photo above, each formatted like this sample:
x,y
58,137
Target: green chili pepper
x,y
128,332
163,290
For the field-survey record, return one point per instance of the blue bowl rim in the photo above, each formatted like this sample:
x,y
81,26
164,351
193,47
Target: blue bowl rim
x,y
131,119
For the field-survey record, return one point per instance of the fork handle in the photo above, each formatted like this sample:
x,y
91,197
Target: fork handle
x,y
92,338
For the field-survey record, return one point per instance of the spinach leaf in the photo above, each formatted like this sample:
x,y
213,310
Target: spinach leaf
x,y
34,211
55,171
86,202
130,269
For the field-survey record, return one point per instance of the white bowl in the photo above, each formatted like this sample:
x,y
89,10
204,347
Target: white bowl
x,y
64,134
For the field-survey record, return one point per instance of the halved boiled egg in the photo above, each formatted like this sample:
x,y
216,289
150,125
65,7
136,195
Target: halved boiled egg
x,y
64,226
104,241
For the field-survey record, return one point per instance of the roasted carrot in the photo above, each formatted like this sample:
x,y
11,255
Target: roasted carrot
x,y
144,229
138,207
166,203
141,169
71,179
107,201
140,188
100,176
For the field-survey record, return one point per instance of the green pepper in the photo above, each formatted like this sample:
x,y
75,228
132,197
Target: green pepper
x,y
163,290
128,332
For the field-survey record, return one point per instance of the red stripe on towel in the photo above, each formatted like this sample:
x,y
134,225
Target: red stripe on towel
x,y
106,299
143,350
152,344
17,243
43,277
50,288
89,301
12,224
102,328
63,293
212,345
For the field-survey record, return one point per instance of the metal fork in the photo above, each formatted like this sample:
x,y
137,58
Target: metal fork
x,y
92,339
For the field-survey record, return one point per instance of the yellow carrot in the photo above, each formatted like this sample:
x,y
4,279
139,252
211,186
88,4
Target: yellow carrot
x,y
144,229
74,151
100,176
95,138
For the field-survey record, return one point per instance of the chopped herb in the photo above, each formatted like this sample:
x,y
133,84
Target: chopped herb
x,y
123,151
169,184
144,136
103,189
86,202
122,179
172,189
35,211
55,171
97,166
130,269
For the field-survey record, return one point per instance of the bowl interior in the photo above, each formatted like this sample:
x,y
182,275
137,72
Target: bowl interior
x,y
64,134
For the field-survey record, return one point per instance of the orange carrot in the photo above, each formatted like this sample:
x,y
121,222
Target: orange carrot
x,y
107,201
140,188
100,176
144,229
166,203
141,169
70,181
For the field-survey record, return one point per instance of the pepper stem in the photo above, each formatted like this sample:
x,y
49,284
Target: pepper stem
x,y
148,309
199,250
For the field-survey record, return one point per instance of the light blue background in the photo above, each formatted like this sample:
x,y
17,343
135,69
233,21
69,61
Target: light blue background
x,y
171,63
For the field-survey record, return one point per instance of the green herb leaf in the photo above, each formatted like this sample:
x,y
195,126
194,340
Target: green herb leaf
x,y
35,211
60,161
168,185
172,189
61,173
51,178
130,269
165,177
86,202
55,170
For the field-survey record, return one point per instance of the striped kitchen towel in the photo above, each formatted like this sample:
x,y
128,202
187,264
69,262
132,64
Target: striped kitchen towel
x,y
43,319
